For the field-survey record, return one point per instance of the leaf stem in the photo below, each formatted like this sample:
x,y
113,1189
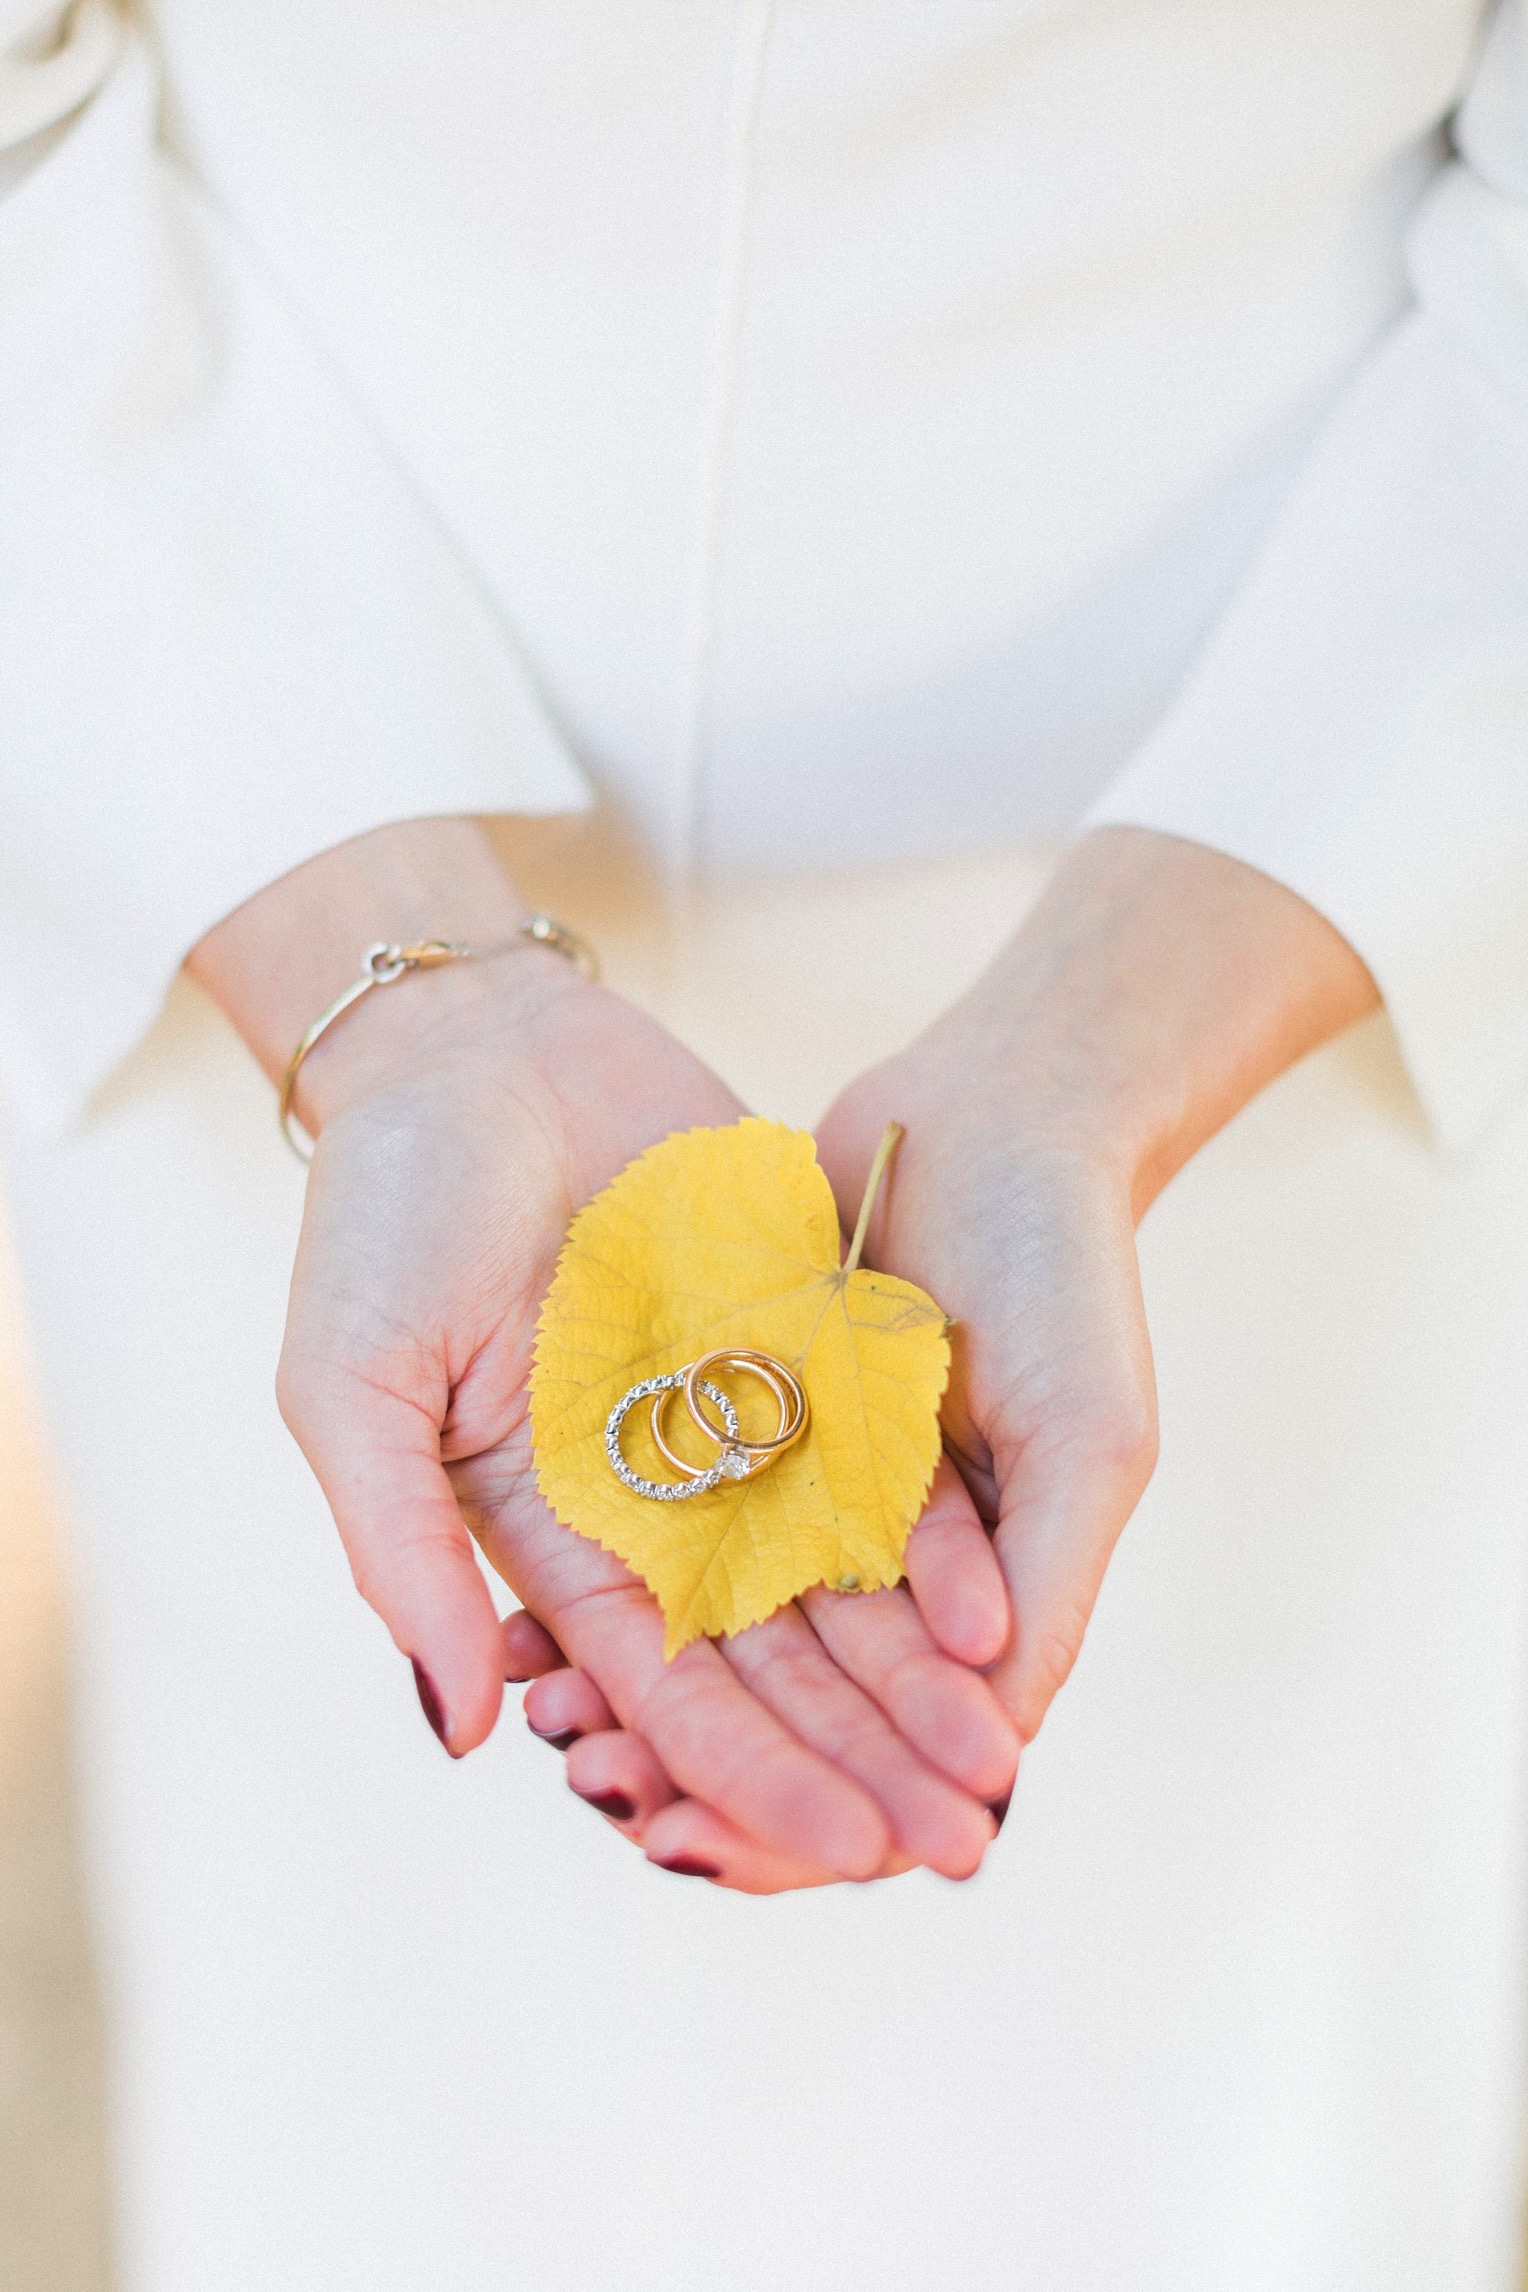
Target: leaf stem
x,y
891,1139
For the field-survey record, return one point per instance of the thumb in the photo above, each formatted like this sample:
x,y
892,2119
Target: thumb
x,y
1062,1508
376,1456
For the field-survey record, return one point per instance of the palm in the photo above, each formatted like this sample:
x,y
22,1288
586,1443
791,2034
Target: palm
x,y
433,1224
1027,1241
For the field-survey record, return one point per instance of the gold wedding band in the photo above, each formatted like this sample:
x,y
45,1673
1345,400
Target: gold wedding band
x,y
791,1400
740,1459
771,1372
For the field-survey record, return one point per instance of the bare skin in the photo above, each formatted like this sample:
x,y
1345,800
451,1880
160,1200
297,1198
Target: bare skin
x,y
462,1117
1153,992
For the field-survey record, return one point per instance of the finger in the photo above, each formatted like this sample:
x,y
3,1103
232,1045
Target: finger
x,y
693,1841
565,1705
945,1711
955,1575
619,1775
714,1737
529,1648
790,1670
1062,1512
1072,1437
377,1460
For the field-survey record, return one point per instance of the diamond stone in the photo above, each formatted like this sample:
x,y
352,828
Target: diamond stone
x,y
734,1464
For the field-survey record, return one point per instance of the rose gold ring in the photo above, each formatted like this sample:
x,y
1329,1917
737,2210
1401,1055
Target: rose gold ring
x,y
740,1459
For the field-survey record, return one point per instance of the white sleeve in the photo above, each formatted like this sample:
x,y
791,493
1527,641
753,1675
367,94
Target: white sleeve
x,y
231,635
1357,725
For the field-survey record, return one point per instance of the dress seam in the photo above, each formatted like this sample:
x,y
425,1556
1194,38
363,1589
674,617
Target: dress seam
x,y
754,22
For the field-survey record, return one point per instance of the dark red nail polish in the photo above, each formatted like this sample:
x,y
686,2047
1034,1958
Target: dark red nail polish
x,y
998,1809
613,1803
686,1866
558,1742
429,1703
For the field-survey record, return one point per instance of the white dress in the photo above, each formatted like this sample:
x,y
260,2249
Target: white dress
x,y
853,441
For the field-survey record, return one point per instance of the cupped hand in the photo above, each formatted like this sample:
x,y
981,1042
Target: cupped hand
x,y
1154,990
1020,1223
842,1738
1009,1209
1156,987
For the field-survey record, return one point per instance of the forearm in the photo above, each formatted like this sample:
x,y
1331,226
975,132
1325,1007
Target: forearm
x,y
1155,989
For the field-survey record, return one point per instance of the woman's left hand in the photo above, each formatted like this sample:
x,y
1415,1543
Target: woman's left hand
x,y
1156,988
1022,1228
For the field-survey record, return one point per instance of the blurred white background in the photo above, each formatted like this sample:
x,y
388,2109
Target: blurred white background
x,y
53,2211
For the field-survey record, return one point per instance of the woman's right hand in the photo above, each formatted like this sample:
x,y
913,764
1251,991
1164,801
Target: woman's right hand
x,y
462,1118
440,1194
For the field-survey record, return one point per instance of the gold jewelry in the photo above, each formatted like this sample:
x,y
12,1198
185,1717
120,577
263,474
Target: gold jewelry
x,y
384,961
741,1459
771,1372
548,932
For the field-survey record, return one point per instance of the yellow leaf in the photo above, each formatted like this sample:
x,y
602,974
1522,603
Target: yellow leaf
x,y
730,1238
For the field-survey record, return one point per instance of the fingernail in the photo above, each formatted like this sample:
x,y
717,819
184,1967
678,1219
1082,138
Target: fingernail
x,y
429,1703
613,1803
998,1809
558,1742
687,1866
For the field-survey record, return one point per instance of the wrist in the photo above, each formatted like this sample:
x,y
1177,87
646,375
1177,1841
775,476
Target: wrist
x,y
282,957
460,1025
1155,989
